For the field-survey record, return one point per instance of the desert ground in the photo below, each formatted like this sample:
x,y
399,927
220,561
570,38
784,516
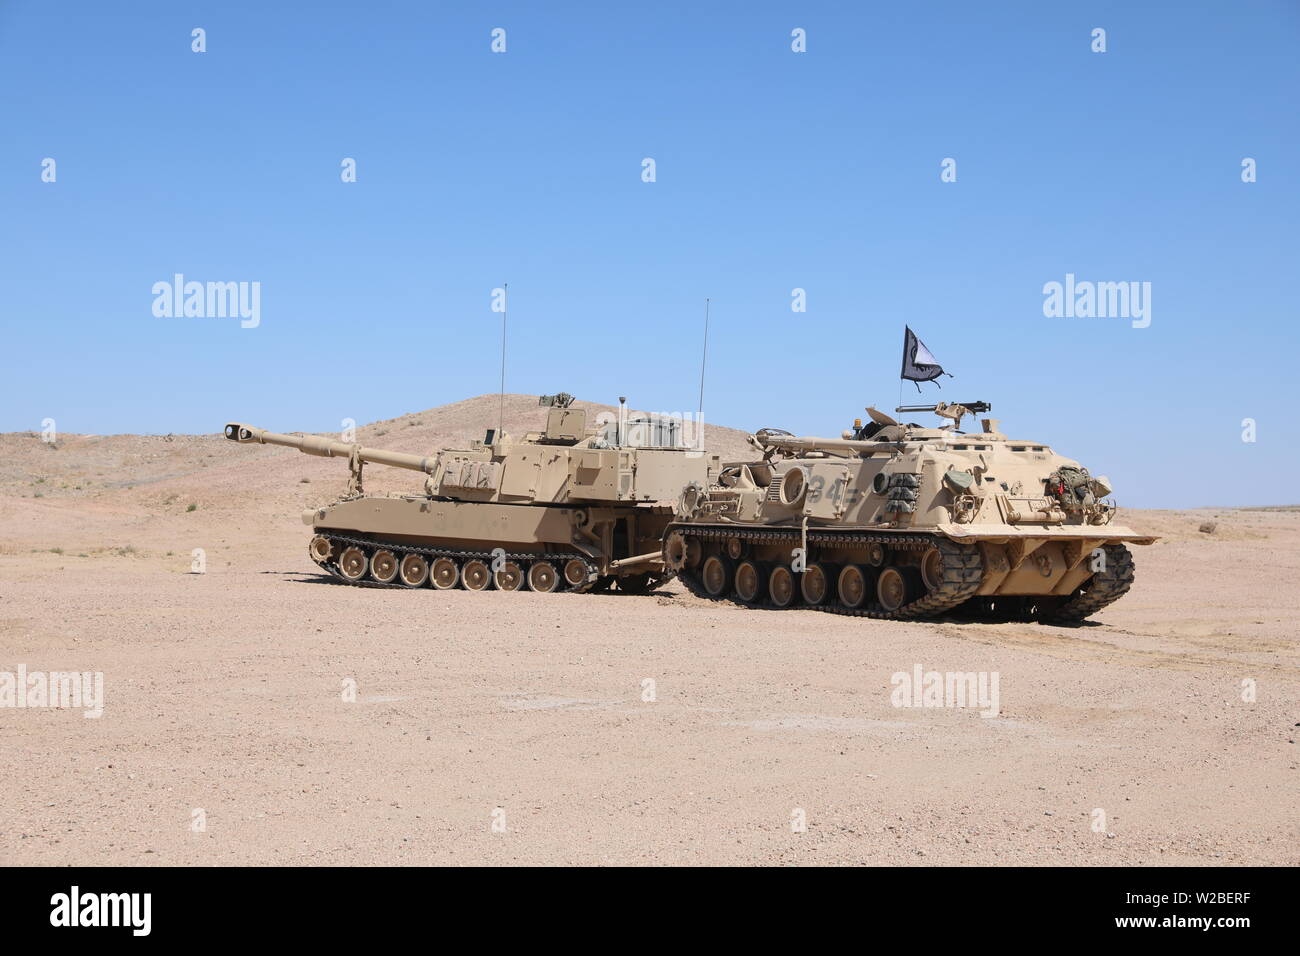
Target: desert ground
x,y
225,737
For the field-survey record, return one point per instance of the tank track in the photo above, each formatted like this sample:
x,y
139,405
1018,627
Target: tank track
x,y
962,569
370,545
633,585
1102,589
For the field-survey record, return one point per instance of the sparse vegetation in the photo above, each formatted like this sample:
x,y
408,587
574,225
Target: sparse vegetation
x,y
304,481
192,507
56,550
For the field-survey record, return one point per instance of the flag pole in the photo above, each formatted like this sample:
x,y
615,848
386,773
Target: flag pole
x,y
900,374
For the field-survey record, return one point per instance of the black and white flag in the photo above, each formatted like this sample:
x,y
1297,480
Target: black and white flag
x,y
918,364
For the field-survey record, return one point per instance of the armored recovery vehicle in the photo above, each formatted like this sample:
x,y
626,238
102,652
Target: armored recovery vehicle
x,y
895,520
571,507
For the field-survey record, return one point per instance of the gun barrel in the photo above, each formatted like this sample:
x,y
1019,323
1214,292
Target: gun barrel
x,y
328,448
976,407
828,444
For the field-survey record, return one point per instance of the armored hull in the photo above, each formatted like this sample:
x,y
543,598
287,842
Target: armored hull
x,y
900,521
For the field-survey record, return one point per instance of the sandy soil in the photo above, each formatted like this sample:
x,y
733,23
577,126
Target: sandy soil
x,y
223,693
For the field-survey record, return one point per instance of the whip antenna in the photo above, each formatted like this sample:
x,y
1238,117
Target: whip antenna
x,y
501,417
703,360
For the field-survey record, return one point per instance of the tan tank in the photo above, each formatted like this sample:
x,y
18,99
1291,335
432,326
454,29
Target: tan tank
x,y
896,520
578,506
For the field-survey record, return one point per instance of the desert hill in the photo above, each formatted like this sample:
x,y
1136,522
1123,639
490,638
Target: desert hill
x,y
177,470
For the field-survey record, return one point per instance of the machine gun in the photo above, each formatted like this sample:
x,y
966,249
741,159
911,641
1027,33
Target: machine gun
x,y
955,411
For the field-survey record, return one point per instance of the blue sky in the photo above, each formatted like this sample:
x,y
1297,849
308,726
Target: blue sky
x,y
775,170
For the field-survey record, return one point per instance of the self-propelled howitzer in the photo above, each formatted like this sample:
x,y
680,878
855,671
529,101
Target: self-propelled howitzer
x,y
571,507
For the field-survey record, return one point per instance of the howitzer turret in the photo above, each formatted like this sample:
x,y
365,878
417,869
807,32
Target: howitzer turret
x,y
573,506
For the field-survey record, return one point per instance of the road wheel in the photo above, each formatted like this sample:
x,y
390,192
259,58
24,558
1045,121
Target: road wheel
x,y
716,575
854,586
383,566
444,574
577,572
893,588
353,564
413,570
816,582
781,586
510,577
475,575
932,569
751,579
543,577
